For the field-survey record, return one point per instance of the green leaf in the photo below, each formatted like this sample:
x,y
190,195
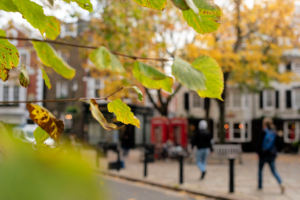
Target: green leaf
x,y
103,59
46,78
139,92
214,77
51,2
187,75
8,6
48,26
99,116
181,4
206,20
152,78
24,77
50,58
123,112
154,4
9,56
85,4
40,135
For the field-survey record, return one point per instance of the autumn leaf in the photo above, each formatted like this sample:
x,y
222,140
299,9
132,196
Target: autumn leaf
x,y
48,26
46,120
181,4
214,77
8,6
9,57
188,75
99,116
104,59
203,15
139,92
50,58
24,77
123,112
46,78
151,78
154,4
40,135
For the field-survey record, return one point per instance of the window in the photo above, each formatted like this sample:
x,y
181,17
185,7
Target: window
x,y
237,130
268,99
6,93
297,68
97,87
16,93
237,100
291,132
297,98
62,90
196,100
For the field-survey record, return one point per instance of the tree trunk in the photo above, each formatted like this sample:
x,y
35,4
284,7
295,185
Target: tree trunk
x,y
222,110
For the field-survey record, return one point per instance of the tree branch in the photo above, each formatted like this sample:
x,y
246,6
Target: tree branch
x,y
151,99
61,100
160,97
174,93
85,47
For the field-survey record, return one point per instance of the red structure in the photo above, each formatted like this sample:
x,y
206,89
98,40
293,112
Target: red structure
x,y
163,129
179,131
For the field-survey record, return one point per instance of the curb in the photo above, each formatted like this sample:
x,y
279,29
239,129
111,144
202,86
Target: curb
x,y
174,188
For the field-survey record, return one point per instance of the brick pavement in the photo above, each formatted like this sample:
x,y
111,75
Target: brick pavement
x,y
216,181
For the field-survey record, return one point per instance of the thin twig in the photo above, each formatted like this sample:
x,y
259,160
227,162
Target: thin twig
x,y
85,47
60,100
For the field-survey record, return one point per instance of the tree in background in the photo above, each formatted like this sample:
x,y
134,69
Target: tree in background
x,y
142,32
249,46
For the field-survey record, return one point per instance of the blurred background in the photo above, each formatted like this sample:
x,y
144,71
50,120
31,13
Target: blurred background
x,y
257,47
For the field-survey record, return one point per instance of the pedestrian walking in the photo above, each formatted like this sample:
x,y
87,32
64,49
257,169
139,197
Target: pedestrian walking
x,y
202,140
267,152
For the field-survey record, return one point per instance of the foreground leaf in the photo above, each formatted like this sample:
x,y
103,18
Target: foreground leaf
x,y
207,19
8,6
154,4
152,78
103,59
40,135
214,77
85,4
50,58
99,116
123,112
181,4
46,78
139,92
46,120
187,75
48,26
24,77
9,57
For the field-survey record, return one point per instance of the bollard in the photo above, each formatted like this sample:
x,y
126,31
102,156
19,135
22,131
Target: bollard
x,y
145,163
231,175
180,169
118,160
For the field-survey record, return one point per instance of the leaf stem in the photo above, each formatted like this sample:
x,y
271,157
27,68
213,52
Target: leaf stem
x,y
61,100
85,47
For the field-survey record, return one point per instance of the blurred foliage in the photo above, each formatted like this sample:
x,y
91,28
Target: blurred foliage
x,y
31,174
267,30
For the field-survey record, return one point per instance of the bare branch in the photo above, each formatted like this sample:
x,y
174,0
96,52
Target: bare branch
x,y
151,99
86,47
61,100
174,93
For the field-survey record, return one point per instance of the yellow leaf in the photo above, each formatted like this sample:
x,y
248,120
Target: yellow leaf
x,y
46,120
123,112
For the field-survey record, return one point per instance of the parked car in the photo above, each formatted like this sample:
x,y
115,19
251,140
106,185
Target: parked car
x,y
25,133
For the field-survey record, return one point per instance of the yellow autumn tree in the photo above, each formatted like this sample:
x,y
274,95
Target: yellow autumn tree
x,y
249,45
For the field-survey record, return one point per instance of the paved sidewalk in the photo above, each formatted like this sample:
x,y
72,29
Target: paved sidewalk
x,y
216,181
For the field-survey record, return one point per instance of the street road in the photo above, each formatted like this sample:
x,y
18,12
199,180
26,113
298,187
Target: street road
x,y
118,189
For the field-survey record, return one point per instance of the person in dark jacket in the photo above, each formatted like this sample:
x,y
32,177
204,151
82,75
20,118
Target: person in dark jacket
x,y
202,140
267,151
